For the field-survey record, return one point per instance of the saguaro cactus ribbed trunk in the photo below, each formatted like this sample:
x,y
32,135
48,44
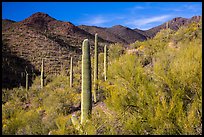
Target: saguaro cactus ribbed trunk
x,y
71,72
95,68
105,63
42,74
86,106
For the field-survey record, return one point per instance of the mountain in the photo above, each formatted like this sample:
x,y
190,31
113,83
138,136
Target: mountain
x,y
116,34
103,33
126,33
41,36
44,23
173,24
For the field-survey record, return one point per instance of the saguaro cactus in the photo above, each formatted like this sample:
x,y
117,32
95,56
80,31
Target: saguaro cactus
x,y
22,77
42,74
95,68
26,81
71,72
105,62
86,106
167,25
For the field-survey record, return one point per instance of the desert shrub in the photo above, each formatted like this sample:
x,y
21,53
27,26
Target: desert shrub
x,y
136,44
115,51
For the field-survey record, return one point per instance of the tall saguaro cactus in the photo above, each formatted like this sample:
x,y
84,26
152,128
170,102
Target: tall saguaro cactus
x,y
105,62
71,72
42,74
95,68
86,106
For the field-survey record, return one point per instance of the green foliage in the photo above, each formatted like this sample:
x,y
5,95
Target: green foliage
x,y
39,111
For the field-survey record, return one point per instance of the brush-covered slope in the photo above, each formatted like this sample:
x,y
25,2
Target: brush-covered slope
x,y
173,24
41,36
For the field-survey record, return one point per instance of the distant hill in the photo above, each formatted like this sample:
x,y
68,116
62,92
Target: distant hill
x,y
103,33
116,33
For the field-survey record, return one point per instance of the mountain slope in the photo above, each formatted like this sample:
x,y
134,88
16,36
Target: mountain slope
x,y
41,36
6,23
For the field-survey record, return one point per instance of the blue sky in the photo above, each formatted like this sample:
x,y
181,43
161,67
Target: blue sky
x,y
141,15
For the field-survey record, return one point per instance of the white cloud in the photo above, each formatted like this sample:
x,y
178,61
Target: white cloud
x,y
100,20
138,7
143,22
97,20
193,8
151,20
135,9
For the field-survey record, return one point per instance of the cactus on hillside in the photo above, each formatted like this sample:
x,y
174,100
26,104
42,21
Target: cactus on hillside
x,y
105,63
22,77
167,25
42,74
86,106
26,76
95,67
71,72
26,81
